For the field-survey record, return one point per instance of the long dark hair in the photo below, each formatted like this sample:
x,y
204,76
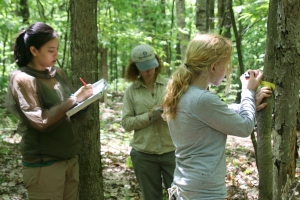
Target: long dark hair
x,y
35,35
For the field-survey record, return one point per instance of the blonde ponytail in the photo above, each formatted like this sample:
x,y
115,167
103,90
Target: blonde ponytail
x,y
202,52
176,87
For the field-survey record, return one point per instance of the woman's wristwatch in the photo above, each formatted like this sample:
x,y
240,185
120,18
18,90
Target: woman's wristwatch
x,y
74,97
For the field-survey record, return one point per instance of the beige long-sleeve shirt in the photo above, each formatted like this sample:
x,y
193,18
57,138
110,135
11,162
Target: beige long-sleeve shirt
x,y
151,137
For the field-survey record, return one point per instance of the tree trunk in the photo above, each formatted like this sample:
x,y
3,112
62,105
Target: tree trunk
x,y
167,48
201,17
287,72
221,11
224,19
104,71
115,56
84,64
211,14
237,38
183,36
264,117
23,11
3,56
103,67
238,42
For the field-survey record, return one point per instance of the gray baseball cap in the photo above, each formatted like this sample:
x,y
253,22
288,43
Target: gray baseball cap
x,y
143,56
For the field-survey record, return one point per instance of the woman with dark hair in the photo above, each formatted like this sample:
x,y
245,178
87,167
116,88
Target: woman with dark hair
x,y
152,151
39,94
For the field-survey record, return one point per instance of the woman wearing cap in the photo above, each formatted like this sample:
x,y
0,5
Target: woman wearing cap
x,y
152,151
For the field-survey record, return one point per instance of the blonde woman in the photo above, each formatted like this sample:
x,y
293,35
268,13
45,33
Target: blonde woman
x,y
199,121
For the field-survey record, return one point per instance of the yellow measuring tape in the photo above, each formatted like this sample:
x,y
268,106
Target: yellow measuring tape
x,y
268,84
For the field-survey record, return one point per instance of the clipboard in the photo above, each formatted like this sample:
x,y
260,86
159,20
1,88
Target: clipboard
x,y
99,88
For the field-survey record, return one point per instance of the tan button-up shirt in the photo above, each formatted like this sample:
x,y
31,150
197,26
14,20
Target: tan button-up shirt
x,y
149,137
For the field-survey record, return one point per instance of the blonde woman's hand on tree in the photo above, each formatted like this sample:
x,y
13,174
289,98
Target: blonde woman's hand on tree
x,y
260,95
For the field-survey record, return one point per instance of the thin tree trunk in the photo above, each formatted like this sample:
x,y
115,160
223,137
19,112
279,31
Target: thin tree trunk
x,y
23,11
237,38
103,67
84,64
183,36
238,43
264,117
3,56
111,63
115,64
169,42
201,17
224,19
66,40
166,46
211,14
104,71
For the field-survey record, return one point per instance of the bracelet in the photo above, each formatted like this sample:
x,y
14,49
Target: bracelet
x,y
73,96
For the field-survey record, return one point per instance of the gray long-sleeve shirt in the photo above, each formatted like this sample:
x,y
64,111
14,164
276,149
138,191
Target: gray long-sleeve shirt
x,y
199,132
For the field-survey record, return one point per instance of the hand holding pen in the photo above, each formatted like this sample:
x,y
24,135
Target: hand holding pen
x,y
84,91
82,81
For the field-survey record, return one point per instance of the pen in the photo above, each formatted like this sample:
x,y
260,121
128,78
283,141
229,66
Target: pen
x,y
82,81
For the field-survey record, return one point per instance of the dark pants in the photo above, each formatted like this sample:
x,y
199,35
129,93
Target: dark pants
x,y
150,170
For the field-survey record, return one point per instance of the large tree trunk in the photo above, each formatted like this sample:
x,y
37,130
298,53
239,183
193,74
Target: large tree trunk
x,y
264,117
84,64
282,68
287,72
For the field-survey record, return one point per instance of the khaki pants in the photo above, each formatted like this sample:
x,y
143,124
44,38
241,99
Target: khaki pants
x,y
58,181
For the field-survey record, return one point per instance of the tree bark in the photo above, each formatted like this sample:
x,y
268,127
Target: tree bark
x,y
264,117
221,11
3,56
211,14
237,38
183,36
287,73
224,19
167,48
84,64
238,42
23,11
103,67
201,17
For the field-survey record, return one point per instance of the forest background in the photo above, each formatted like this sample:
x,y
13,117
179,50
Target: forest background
x,y
167,25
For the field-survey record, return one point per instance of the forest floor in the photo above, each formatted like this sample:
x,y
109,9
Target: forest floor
x,y
119,179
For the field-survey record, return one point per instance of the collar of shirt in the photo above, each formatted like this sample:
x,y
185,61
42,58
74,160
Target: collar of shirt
x,y
138,83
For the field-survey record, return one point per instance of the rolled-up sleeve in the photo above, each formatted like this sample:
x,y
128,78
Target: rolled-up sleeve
x,y
130,119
